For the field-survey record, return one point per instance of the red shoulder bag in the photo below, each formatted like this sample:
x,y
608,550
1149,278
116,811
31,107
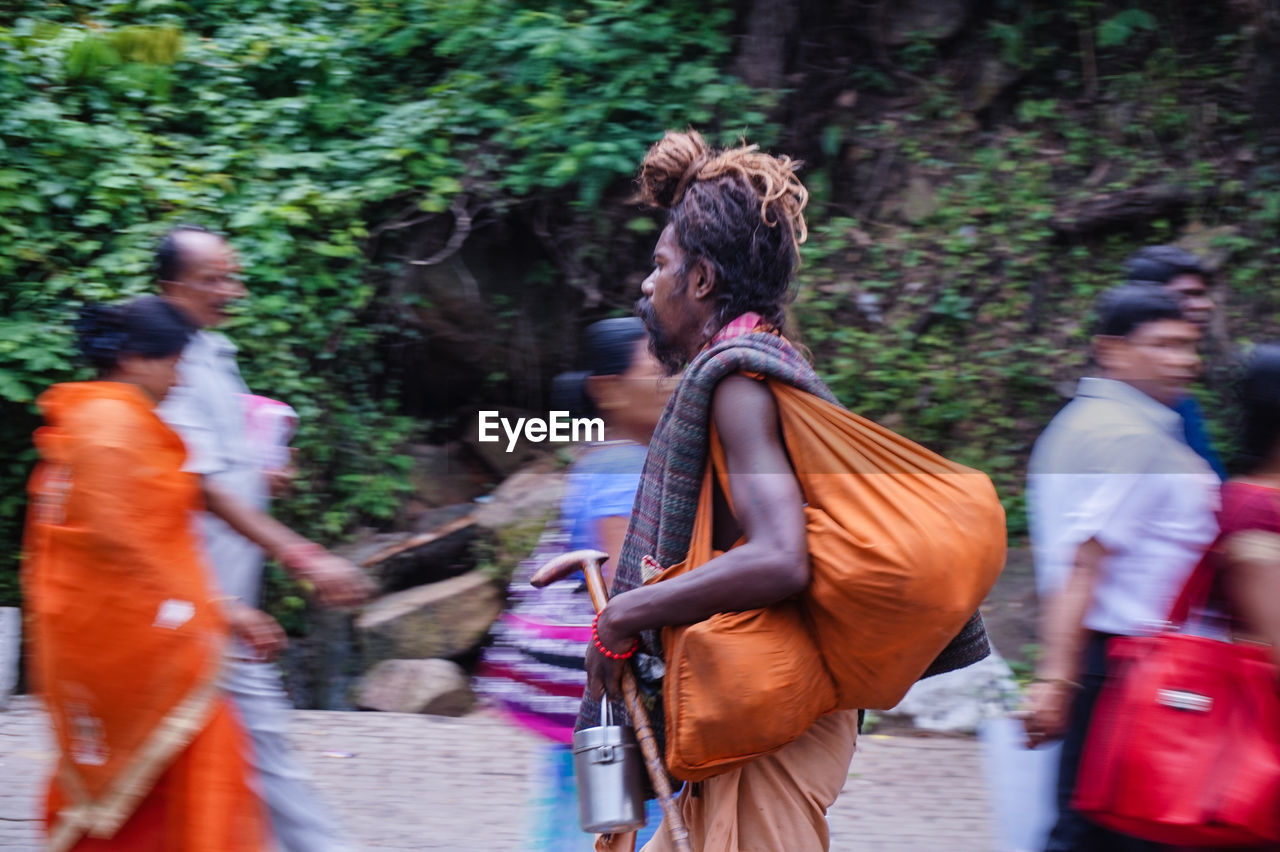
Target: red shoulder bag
x,y
1184,746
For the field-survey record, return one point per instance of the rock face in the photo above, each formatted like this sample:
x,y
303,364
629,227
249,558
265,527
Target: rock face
x,y
442,619
958,702
438,687
904,21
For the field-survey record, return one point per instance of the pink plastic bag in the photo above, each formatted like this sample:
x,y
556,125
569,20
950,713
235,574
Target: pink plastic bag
x,y
269,427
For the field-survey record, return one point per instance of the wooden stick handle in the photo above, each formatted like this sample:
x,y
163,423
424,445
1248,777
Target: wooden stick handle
x,y
595,583
653,762
644,730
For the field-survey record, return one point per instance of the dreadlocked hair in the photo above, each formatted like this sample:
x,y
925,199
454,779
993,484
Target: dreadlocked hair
x,y
739,209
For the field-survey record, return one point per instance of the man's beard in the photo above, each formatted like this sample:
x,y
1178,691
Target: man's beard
x,y
662,348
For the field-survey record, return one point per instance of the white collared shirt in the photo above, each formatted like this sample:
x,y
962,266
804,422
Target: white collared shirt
x,y
207,410
1114,466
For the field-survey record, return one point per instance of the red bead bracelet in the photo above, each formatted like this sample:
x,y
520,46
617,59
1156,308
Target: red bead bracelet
x,y
595,637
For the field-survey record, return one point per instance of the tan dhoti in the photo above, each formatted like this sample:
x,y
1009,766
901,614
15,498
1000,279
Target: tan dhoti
x,y
777,803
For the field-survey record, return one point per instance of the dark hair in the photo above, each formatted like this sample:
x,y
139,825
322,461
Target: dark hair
x,y
1259,394
609,350
169,260
149,327
1122,310
1158,265
740,210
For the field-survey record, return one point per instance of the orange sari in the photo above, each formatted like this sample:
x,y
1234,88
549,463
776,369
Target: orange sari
x,y
127,644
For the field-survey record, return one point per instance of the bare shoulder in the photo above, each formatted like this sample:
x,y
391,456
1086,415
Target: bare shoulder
x,y
746,418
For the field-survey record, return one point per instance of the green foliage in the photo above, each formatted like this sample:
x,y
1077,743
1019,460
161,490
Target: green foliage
x,y
299,128
961,329
1120,27
499,555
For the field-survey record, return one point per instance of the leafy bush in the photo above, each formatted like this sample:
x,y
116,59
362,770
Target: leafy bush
x,y
299,127
962,321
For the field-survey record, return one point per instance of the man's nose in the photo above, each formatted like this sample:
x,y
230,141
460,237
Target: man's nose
x,y
646,286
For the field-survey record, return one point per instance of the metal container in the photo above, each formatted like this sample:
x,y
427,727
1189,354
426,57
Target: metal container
x,y
607,762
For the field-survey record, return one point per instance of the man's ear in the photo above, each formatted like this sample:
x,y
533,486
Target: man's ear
x,y
1109,351
703,279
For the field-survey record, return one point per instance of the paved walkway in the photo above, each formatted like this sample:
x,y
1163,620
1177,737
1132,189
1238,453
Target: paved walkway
x,y
403,782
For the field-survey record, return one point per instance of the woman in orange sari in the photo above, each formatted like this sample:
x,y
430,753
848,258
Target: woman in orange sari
x,y
128,635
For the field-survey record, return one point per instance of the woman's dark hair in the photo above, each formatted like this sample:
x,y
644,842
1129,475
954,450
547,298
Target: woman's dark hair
x,y
609,350
1259,393
148,327
1122,310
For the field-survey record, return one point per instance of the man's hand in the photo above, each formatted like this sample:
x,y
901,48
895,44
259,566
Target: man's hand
x,y
260,632
335,581
1044,713
604,674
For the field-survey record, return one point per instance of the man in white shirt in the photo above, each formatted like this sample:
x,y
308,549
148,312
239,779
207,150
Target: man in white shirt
x,y
199,274
1121,509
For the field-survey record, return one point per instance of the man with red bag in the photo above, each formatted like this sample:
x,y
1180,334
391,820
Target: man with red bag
x,y
1121,509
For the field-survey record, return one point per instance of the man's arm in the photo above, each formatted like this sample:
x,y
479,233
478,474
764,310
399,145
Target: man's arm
x,y
1063,638
337,582
770,565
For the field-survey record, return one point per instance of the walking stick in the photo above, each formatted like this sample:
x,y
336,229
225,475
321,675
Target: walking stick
x,y
590,560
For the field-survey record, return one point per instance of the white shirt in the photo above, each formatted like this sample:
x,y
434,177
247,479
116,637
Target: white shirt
x,y
207,410
1114,466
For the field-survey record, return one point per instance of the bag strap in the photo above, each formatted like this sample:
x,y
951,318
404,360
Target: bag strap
x,y
1199,584
700,538
716,463
1195,592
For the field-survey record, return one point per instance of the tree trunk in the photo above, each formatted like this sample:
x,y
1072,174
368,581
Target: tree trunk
x,y
762,58
1264,81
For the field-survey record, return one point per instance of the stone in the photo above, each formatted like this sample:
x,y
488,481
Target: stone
x,y
436,687
444,619
435,550
958,702
531,494
10,651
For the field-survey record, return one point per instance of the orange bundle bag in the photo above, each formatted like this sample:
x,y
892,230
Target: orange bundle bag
x,y
739,684
904,545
